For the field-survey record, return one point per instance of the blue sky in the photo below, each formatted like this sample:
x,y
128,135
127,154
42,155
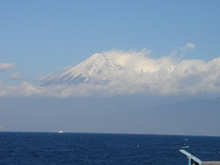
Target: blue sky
x,y
41,37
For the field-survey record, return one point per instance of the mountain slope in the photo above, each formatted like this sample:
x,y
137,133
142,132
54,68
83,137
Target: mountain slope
x,y
96,69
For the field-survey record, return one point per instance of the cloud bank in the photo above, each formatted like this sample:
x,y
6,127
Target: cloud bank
x,y
163,76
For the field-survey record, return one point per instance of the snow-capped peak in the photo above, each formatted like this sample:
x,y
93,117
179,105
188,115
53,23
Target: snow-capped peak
x,y
95,69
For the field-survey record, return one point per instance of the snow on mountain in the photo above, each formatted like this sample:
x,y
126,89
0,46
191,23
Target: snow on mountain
x,y
98,69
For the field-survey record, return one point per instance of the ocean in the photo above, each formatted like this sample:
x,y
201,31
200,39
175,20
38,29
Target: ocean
x,y
103,149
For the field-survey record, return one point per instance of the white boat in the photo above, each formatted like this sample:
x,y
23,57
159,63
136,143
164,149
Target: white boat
x,y
185,147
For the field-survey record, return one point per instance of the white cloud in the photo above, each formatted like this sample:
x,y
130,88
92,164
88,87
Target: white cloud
x,y
67,68
6,66
162,76
188,46
45,77
50,76
16,76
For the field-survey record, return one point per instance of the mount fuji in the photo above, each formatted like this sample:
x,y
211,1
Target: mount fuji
x,y
97,69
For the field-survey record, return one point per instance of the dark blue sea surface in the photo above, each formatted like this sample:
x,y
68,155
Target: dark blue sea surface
x,y
103,149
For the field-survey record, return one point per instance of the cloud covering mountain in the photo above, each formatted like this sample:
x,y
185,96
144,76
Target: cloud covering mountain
x,y
118,72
